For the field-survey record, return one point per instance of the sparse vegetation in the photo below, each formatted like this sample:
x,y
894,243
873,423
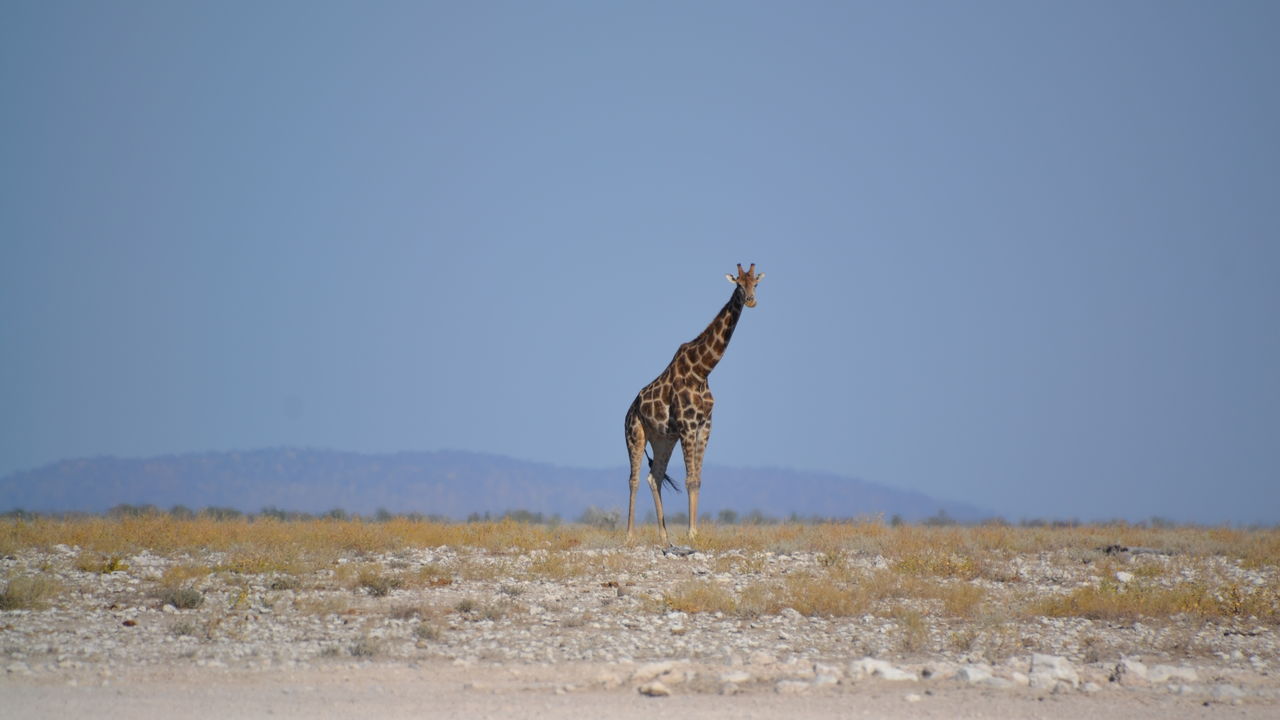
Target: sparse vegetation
x,y
1111,600
472,609
426,631
100,563
28,592
365,647
182,598
939,587
913,631
378,583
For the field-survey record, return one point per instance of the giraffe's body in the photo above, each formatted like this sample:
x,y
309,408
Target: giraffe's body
x,y
676,407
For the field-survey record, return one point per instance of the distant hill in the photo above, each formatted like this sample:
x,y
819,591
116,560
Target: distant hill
x,y
452,484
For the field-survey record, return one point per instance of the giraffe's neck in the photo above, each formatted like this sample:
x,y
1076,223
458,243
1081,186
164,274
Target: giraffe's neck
x,y
705,351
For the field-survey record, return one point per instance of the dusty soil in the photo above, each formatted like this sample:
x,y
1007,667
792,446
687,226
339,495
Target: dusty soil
x,y
440,689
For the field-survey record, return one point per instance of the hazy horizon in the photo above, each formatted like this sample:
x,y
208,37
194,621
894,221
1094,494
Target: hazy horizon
x,y
1018,254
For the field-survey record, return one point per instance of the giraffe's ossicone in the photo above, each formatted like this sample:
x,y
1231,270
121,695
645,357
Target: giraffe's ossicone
x,y
676,407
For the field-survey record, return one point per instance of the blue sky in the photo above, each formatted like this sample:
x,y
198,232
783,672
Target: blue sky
x,y
1023,254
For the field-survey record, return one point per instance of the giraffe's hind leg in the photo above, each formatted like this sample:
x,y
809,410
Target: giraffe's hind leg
x,y
662,448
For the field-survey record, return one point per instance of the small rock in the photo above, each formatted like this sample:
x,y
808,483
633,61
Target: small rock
x,y
796,668
1091,687
645,673
1131,673
1123,576
912,698
1226,693
825,680
1048,670
939,671
608,680
973,674
654,689
735,677
675,677
821,669
1164,673
761,657
790,614
871,667
791,687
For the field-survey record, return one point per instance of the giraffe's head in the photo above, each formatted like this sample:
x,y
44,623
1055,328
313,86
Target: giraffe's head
x,y
746,281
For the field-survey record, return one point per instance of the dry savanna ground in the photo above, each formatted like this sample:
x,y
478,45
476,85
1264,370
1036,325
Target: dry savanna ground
x,y
1173,615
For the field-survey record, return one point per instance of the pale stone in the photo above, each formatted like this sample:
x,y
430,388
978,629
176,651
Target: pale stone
x,y
761,657
871,667
1131,673
1048,670
820,669
974,673
735,677
940,671
1164,673
645,673
791,687
1123,576
654,689
1226,692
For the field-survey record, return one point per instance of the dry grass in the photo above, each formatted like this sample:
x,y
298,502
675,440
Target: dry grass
x,y
182,598
939,564
1110,600
99,563
377,583
701,596
822,570
320,538
913,631
178,575
823,596
476,610
28,592
909,544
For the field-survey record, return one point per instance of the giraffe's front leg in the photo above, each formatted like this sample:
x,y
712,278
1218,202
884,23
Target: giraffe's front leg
x,y
695,444
635,452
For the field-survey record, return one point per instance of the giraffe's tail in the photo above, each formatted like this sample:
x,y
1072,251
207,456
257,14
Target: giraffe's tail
x,y
665,477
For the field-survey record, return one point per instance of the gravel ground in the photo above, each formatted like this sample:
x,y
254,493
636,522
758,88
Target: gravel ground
x,y
545,634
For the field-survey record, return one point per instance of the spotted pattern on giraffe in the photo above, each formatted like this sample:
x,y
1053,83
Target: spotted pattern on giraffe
x,y
676,407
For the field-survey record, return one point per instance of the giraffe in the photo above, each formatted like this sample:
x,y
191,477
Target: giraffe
x,y
676,407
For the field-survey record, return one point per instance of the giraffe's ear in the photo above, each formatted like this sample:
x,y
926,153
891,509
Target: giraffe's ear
x,y
759,277
731,278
